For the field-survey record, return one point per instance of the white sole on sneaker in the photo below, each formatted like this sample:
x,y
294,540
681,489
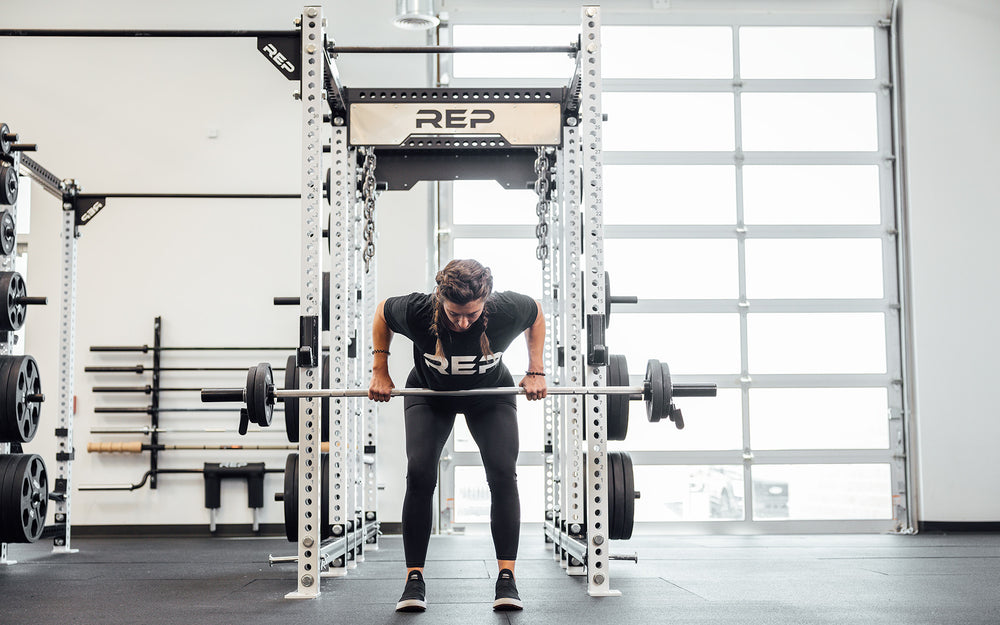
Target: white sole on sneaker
x,y
411,605
508,604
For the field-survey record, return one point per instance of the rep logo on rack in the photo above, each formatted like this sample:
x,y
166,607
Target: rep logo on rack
x,y
453,118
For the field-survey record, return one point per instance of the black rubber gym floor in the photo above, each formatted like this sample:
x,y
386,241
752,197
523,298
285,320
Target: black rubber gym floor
x,y
789,580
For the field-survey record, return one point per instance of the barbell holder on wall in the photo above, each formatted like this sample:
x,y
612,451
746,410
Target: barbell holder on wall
x,y
151,410
146,348
148,389
139,369
136,447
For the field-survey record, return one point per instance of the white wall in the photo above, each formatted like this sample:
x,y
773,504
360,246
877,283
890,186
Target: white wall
x,y
951,81
134,115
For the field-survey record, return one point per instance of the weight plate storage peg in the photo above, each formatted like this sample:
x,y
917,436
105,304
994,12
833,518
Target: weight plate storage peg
x,y
24,498
8,233
8,184
20,398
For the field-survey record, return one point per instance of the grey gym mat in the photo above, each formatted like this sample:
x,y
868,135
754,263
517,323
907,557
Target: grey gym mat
x,y
801,580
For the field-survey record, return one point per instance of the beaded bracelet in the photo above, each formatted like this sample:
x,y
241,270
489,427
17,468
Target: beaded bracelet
x,y
380,351
541,373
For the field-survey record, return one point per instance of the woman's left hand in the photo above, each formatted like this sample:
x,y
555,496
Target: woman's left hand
x,y
534,386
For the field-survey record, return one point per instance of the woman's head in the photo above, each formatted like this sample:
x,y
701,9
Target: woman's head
x,y
463,287
463,281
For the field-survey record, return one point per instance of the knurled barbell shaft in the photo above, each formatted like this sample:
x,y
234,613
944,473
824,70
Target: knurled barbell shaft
x,y
474,392
679,390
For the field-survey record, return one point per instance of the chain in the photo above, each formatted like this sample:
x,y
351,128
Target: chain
x,y
542,187
368,197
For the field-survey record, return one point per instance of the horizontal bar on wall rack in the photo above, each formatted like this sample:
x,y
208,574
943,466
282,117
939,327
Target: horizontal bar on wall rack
x,y
452,49
200,196
142,33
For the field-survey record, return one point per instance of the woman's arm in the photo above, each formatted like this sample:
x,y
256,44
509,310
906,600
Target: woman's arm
x,y
534,385
381,384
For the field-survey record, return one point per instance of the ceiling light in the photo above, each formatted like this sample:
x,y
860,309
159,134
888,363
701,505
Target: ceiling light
x,y
415,15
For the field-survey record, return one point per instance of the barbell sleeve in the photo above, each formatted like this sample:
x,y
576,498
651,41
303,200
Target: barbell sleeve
x,y
31,301
695,390
221,394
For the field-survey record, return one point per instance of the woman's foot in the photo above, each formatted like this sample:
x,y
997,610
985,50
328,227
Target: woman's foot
x,y
413,594
507,597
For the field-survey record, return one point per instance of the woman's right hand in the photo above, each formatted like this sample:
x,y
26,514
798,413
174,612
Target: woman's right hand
x,y
381,386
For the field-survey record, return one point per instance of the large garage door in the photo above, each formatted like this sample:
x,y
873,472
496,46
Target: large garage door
x,y
749,205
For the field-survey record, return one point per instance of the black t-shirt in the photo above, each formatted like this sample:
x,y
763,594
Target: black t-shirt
x,y
464,366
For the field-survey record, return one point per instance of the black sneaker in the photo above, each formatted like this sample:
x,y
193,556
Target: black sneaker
x,y
413,594
507,598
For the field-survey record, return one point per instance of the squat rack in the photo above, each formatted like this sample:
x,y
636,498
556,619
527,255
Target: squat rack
x,y
448,134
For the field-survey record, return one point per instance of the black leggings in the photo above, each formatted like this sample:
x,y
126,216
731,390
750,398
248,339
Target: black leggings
x,y
493,424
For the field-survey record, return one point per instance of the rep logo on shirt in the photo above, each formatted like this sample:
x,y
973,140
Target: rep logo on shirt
x,y
463,365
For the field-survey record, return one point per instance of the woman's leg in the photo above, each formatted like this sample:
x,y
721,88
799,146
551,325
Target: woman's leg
x,y
427,430
493,425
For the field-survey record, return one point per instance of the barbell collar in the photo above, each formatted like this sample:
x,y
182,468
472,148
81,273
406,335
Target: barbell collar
x,y
35,398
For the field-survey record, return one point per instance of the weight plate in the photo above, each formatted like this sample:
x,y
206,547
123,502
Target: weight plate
x,y
668,390
264,381
251,390
617,404
324,502
8,185
654,380
628,513
291,497
324,403
22,379
326,301
24,496
8,404
8,233
607,300
291,403
7,512
616,501
12,289
5,143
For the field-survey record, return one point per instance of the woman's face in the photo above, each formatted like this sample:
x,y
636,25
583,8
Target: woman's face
x,y
462,316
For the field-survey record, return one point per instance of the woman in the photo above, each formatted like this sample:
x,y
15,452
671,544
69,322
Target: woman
x,y
459,334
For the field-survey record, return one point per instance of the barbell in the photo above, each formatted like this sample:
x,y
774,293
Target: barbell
x,y
657,390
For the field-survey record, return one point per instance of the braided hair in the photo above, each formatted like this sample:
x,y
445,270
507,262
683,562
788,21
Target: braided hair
x,y
461,282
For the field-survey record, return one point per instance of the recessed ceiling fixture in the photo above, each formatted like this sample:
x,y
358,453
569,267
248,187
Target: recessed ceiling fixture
x,y
415,15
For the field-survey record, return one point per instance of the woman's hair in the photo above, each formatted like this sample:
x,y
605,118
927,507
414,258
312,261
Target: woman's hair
x,y
460,282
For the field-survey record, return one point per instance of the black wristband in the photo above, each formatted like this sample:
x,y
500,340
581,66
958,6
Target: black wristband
x,y
541,373
380,351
